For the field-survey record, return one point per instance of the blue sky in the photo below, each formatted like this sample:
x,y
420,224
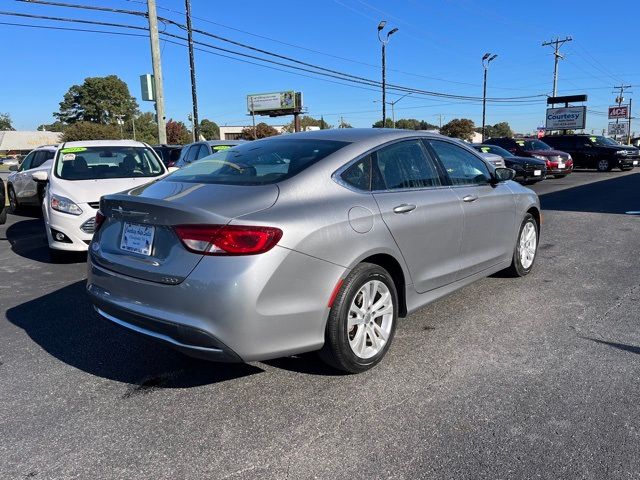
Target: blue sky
x,y
438,47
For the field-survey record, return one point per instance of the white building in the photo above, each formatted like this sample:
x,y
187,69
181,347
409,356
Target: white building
x,y
15,142
233,132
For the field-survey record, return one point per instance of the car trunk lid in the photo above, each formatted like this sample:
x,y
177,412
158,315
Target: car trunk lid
x,y
149,215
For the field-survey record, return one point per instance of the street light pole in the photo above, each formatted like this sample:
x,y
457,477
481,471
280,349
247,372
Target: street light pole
x,y
384,42
486,60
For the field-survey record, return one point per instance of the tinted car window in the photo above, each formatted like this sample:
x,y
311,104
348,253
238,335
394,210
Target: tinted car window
x,y
496,150
258,162
358,175
529,145
41,157
405,165
202,152
463,167
561,142
26,163
192,152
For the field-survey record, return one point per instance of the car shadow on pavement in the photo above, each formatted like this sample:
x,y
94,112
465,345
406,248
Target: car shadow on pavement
x,y
306,363
620,346
64,324
615,195
28,239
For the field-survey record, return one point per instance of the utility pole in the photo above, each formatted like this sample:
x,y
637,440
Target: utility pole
x,y
157,70
619,100
486,60
192,67
629,131
557,43
253,119
133,123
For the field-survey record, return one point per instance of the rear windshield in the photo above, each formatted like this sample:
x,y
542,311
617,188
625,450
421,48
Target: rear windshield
x,y
257,163
95,163
529,145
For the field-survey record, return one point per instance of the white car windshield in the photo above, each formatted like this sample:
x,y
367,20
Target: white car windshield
x,y
95,163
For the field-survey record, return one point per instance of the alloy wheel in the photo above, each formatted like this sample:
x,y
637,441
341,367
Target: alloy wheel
x,y
370,319
528,244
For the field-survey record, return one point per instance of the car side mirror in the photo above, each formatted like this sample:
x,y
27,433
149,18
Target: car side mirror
x,y
13,168
40,176
502,174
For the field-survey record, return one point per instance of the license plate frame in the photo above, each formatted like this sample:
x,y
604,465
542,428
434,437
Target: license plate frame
x,y
560,164
537,173
137,238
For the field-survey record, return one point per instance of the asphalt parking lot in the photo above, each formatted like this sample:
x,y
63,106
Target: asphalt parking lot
x,y
508,378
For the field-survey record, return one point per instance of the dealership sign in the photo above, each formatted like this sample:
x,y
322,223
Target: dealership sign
x,y
566,118
272,102
618,128
619,111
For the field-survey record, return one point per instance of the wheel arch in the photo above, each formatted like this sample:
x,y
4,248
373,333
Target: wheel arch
x,y
393,266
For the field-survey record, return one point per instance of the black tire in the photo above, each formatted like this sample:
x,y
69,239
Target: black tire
x,y
604,165
14,205
3,215
337,351
516,269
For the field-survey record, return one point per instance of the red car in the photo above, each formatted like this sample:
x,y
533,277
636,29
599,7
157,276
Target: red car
x,y
559,164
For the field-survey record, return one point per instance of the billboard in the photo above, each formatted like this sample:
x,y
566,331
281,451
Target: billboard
x,y
619,111
566,118
271,102
618,128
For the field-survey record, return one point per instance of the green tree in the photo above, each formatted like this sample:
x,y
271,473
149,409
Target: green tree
x,y
177,133
262,131
461,128
98,100
52,127
209,130
387,124
308,121
502,129
414,124
146,128
90,131
5,122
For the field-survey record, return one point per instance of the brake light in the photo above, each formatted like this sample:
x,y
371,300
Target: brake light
x,y
228,239
99,221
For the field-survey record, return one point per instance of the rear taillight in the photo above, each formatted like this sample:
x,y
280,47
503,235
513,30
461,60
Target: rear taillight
x,y
228,239
99,221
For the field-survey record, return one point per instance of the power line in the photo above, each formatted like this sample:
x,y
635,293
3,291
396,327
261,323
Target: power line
x,y
329,72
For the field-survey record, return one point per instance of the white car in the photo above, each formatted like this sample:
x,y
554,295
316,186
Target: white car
x,y
81,173
21,188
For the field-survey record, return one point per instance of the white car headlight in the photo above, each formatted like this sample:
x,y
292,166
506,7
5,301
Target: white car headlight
x,y
539,157
621,152
63,204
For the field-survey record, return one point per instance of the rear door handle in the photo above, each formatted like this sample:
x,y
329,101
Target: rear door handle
x,y
404,208
469,198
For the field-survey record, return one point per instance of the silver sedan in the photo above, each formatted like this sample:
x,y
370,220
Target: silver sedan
x,y
313,241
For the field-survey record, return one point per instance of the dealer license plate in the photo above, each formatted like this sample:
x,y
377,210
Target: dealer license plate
x,y
537,173
635,162
137,238
560,164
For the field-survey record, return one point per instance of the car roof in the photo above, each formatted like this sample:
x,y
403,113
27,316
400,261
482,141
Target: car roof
x,y
361,134
224,142
104,143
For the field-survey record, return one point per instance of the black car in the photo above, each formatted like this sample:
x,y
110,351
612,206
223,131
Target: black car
x,y
596,151
528,170
3,202
559,164
169,154
196,151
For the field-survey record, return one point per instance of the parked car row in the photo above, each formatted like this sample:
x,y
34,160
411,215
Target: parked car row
x,y
562,153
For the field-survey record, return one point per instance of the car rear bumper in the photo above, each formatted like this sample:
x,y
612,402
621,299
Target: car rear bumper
x,y
229,308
